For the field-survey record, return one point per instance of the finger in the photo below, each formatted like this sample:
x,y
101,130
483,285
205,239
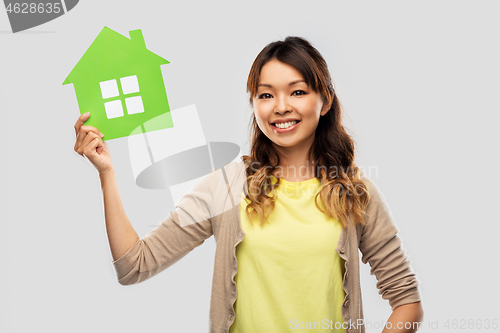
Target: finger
x,y
88,138
100,147
80,121
90,149
103,147
84,130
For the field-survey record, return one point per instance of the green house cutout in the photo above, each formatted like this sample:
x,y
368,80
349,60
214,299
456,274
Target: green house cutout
x,y
119,81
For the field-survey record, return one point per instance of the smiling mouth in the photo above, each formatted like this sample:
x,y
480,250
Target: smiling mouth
x,y
285,125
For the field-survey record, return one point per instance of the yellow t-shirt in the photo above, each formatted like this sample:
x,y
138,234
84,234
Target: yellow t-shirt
x,y
289,274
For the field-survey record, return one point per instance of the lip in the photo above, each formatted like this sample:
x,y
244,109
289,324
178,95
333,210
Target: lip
x,y
284,130
284,120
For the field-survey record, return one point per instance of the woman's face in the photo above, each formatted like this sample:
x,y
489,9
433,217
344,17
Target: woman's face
x,y
287,110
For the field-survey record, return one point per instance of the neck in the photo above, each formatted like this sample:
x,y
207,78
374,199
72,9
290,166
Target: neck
x,y
295,166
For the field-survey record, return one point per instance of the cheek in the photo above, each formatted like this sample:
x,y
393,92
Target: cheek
x,y
315,107
261,114
260,121
308,105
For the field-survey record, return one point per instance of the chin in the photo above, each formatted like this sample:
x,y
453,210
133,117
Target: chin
x,y
284,144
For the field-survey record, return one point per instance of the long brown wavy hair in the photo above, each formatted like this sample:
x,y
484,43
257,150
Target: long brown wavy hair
x,y
342,190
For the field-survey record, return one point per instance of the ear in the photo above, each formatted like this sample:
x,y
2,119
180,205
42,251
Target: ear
x,y
326,107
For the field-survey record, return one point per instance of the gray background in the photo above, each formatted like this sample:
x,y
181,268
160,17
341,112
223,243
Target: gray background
x,y
419,84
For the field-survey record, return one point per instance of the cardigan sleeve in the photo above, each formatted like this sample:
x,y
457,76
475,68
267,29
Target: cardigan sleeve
x,y
382,248
185,228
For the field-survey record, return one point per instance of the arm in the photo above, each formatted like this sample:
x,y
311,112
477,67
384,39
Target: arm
x,y
89,144
382,248
185,228
412,314
121,234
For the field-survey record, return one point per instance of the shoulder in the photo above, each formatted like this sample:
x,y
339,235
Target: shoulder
x,y
210,195
377,199
211,183
379,220
234,169
225,174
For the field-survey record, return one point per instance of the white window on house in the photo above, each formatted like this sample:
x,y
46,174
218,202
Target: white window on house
x,y
121,94
113,109
129,84
134,105
109,89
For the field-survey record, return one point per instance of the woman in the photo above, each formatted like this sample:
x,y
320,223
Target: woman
x,y
288,219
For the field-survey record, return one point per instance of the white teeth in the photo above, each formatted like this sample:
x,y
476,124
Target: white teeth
x,y
285,125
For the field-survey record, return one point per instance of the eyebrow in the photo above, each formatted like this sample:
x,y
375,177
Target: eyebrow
x,y
290,84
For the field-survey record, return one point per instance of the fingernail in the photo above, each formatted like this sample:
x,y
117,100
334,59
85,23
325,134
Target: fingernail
x,y
86,113
101,134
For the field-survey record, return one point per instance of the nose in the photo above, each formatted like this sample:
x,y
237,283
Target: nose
x,y
282,106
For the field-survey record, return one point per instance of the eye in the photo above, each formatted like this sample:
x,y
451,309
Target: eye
x,y
298,93
265,96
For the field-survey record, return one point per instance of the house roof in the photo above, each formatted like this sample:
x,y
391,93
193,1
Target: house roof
x,y
114,55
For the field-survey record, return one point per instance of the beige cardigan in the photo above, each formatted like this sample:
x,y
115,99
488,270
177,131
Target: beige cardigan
x,y
212,207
